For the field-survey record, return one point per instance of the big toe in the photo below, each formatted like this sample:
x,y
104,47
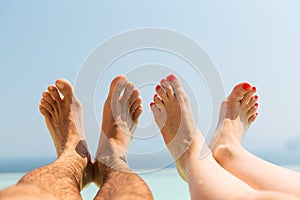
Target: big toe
x,y
117,85
239,91
65,87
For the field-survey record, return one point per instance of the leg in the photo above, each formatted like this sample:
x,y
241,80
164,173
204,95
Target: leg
x,y
111,171
206,179
238,111
64,178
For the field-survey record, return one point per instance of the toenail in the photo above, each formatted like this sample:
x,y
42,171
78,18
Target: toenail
x,y
163,80
256,114
151,104
171,78
255,97
60,85
254,88
157,87
51,87
156,95
246,86
256,105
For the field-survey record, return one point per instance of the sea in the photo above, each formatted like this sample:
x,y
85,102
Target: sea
x,y
164,184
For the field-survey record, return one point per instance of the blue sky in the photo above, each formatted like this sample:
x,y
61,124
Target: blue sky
x,y
255,41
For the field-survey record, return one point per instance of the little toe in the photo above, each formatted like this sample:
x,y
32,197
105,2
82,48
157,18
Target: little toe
x,y
239,91
65,87
54,93
252,118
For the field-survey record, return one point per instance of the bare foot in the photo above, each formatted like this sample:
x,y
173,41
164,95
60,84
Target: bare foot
x,y
238,111
119,120
173,115
63,116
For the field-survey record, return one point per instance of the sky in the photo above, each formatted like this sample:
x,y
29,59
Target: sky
x,y
255,41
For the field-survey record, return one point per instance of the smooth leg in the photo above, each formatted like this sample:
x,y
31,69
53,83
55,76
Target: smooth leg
x,y
206,178
237,113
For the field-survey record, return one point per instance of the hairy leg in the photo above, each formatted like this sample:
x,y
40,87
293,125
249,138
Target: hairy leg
x,y
65,177
206,178
238,111
111,171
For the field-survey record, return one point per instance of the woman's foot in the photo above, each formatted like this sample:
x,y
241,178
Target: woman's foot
x,y
119,120
63,116
237,113
173,115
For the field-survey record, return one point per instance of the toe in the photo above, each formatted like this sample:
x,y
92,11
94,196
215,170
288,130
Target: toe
x,y
157,100
65,87
44,112
247,97
239,91
253,110
168,89
54,93
156,111
252,101
135,95
47,97
116,86
127,92
176,86
252,118
135,105
47,106
137,114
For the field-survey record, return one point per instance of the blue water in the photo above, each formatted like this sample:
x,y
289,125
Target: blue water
x,y
164,184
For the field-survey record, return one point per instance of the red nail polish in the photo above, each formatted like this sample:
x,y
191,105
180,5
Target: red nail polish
x,y
246,86
163,80
151,104
255,97
256,105
157,87
254,88
256,114
171,78
156,95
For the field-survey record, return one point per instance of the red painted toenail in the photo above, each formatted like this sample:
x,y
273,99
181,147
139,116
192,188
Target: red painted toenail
x,y
171,78
256,114
156,95
246,86
255,97
254,88
151,104
157,87
256,105
163,80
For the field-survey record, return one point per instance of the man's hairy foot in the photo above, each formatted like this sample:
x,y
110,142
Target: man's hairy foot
x,y
119,120
63,116
173,115
237,113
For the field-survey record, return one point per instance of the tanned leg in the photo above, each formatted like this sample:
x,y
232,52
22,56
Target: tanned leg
x,y
111,171
65,177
